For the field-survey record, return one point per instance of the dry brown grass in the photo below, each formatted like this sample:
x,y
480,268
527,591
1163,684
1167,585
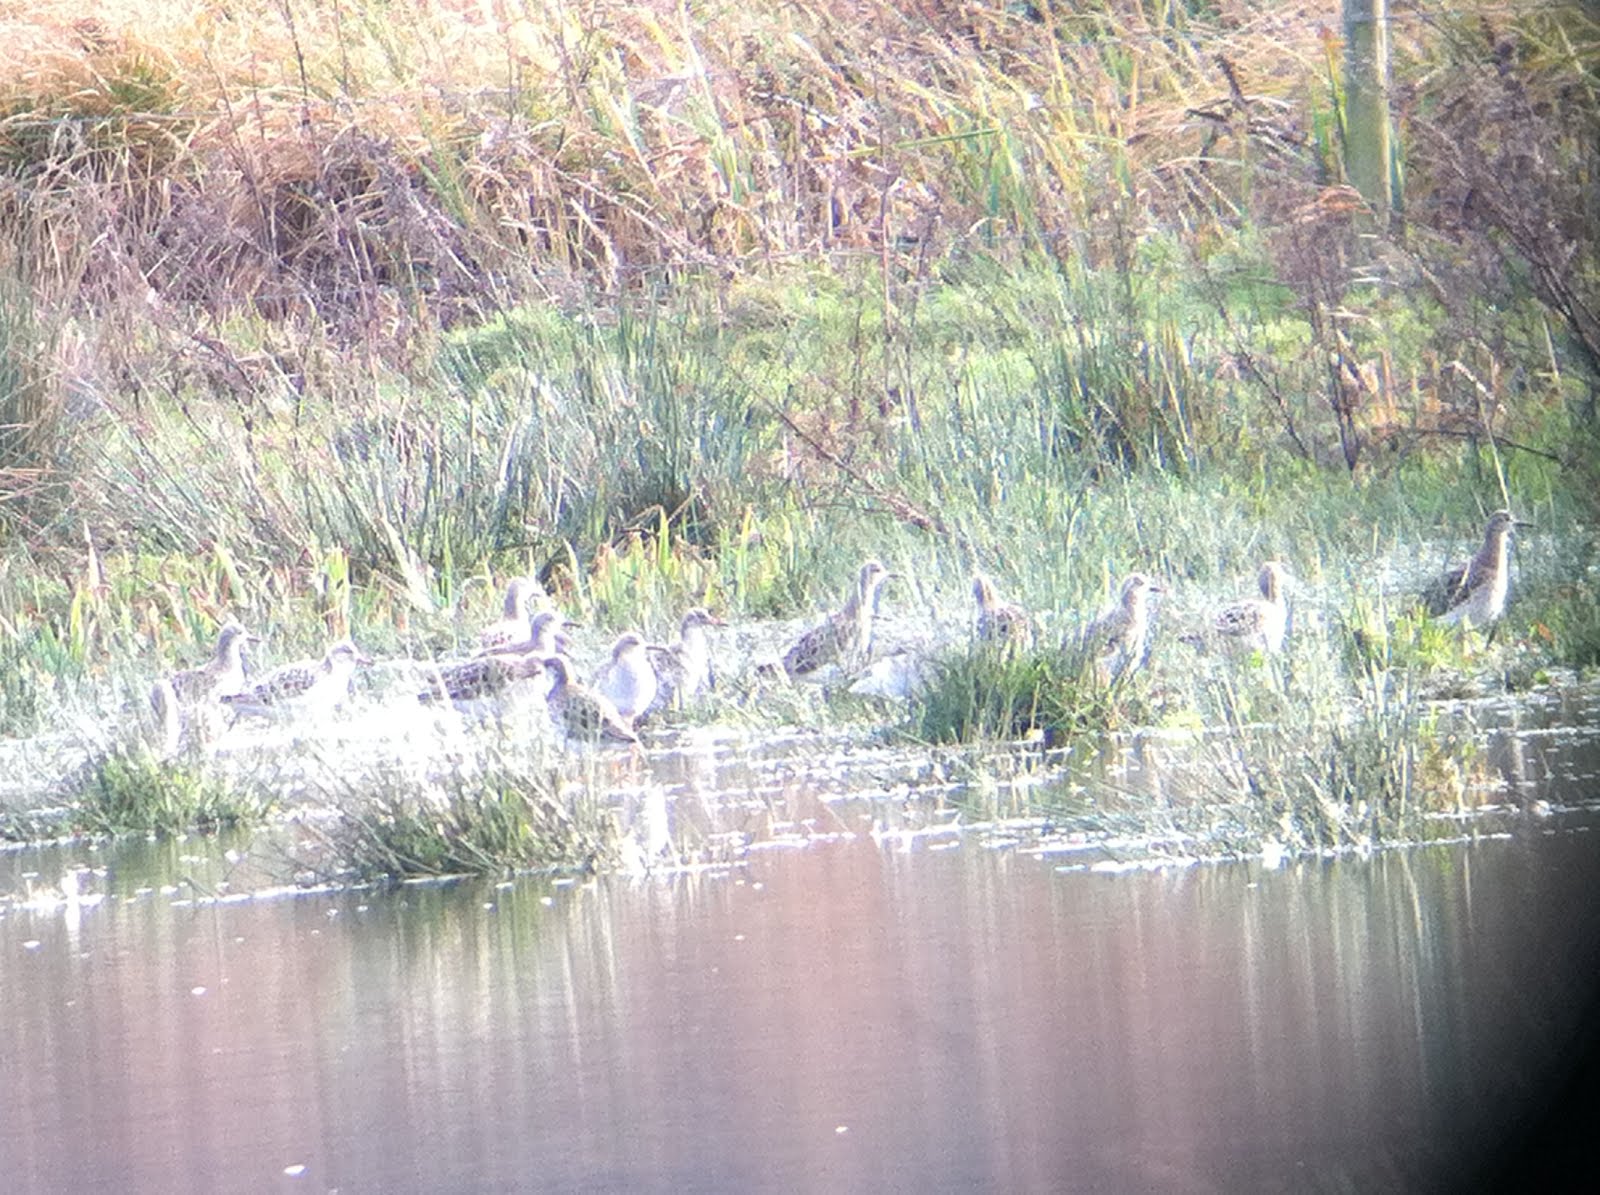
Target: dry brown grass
x,y
287,156
269,203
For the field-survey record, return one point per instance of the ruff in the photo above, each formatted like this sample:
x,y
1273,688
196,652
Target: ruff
x,y
1257,624
845,637
1000,621
218,677
1116,641
512,628
543,635
309,687
578,712
629,680
1474,594
483,684
683,669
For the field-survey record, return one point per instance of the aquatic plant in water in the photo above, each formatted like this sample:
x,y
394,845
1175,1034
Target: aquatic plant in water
x,y
494,815
135,791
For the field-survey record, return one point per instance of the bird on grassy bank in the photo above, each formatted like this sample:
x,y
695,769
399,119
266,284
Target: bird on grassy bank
x,y
311,687
1474,594
580,713
628,680
513,625
845,637
999,621
167,733
543,635
1116,642
221,675
1257,624
683,668
481,684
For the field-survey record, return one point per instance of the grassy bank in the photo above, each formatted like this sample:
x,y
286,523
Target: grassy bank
x,y
332,319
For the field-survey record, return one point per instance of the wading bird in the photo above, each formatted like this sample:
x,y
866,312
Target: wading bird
x,y
306,687
1474,594
578,712
683,669
1000,621
1259,623
628,681
845,637
1117,640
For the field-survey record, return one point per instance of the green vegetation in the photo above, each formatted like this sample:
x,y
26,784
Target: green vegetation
x,y
984,693
500,816
331,318
134,792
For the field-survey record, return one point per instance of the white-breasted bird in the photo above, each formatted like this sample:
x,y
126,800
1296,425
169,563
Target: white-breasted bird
x,y
683,668
512,626
1258,623
1474,594
306,687
219,676
628,679
845,636
543,635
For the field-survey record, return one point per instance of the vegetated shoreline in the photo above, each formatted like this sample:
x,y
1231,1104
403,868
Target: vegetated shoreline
x,y
1273,794
1088,825
331,323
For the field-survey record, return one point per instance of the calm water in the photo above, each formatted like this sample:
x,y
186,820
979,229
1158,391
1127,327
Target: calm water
x,y
847,1016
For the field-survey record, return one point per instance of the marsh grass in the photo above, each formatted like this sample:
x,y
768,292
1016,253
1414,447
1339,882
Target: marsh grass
x,y
503,815
335,322
1408,640
133,791
1557,610
990,694
1341,760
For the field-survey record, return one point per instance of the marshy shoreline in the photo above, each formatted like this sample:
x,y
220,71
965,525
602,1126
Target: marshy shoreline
x,y
332,324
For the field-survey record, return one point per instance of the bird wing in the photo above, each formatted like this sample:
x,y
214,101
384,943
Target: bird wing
x,y
821,645
1446,590
1240,618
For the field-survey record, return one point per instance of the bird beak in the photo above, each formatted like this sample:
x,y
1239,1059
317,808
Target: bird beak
x,y
717,622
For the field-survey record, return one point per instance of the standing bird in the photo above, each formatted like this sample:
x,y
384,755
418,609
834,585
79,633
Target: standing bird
x,y
845,637
580,713
166,732
683,668
1474,594
628,681
187,705
220,676
512,626
1257,624
478,686
312,687
543,635
1116,641
1000,621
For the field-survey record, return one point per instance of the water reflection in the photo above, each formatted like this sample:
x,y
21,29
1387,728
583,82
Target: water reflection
x,y
845,1016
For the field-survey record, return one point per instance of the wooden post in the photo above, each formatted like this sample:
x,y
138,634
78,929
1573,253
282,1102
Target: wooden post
x,y
1367,151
